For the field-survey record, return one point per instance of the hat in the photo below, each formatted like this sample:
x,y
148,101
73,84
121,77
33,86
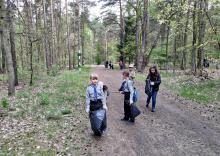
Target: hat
x,y
131,66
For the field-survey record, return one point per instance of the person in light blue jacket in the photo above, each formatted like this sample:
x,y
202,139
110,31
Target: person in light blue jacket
x,y
95,98
127,89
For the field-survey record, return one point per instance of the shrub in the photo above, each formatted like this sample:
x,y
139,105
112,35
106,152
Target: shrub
x,y
53,115
44,99
5,103
66,111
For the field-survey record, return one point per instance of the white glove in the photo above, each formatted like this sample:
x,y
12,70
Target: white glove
x,y
105,107
87,109
151,83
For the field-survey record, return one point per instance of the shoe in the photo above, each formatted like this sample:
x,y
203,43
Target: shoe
x,y
153,110
124,119
132,120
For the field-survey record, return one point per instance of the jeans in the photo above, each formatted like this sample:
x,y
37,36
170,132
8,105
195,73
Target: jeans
x,y
154,96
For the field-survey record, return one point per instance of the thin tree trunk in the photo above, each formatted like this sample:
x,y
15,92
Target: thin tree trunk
x,y
185,38
145,33
193,62
202,26
3,53
47,60
68,37
167,44
122,32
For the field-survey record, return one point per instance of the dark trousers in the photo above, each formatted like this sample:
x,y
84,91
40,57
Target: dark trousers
x,y
127,106
154,97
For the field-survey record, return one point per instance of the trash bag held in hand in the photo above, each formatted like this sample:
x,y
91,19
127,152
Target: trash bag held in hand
x,y
148,88
98,121
135,111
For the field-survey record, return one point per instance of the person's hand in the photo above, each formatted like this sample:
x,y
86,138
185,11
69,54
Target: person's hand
x,y
87,110
151,83
105,107
121,92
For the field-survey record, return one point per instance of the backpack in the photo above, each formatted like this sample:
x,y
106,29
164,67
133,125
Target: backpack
x,y
148,88
135,95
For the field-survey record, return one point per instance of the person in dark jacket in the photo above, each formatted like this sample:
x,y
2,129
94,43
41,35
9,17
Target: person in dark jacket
x,y
155,80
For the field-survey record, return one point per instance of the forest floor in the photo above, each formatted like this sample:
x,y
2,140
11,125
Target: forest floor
x,y
49,119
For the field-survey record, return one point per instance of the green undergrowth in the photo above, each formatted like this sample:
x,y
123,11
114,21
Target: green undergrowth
x,y
53,116
204,92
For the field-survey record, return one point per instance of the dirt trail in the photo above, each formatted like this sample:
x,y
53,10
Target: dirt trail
x,y
170,131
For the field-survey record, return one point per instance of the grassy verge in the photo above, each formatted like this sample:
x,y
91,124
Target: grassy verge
x,y
48,118
204,92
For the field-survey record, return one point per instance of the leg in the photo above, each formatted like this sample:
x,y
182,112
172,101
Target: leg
x,y
154,96
127,110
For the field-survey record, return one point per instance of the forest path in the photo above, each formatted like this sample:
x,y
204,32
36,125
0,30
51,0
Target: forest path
x,y
170,131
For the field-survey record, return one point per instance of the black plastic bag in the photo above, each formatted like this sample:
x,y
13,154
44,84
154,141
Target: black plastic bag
x,y
148,88
135,111
98,121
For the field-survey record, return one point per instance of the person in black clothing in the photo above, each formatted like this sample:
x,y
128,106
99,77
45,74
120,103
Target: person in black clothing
x,y
155,80
106,64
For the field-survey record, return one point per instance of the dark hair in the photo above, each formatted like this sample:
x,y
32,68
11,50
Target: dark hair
x,y
125,73
156,71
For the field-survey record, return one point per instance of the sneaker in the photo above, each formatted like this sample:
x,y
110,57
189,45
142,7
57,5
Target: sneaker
x,y
124,119
153,110
132,120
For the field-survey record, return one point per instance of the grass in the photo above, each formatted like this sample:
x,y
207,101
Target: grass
x,y
204,92
49,117
5,103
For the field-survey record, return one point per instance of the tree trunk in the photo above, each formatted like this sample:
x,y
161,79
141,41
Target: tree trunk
x,y
193,61
137,38
145,33
3,53
68,37
10,15
4,24
167,44
122,32
201,36
185,38
47,60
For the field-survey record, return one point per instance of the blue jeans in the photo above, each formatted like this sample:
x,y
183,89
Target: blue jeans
x,y
153,96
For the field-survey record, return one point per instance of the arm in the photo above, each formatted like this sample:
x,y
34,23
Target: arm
x,y
87,101
158,81
131,89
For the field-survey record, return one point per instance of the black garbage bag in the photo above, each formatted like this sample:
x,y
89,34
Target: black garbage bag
x,y
98,121
135,111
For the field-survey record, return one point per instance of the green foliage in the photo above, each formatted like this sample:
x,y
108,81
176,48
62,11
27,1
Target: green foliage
x,y
66,111
98,59
22,94
54,70
53,115
44,99
5,103
204,92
